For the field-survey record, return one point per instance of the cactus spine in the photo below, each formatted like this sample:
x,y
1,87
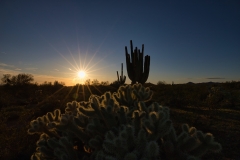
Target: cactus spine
x,y
136,72
122,78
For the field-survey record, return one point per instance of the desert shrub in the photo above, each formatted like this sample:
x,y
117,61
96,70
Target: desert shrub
x,y
161,83
220,97
115,84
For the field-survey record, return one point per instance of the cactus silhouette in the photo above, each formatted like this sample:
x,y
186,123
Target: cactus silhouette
x,y
135,70
121,79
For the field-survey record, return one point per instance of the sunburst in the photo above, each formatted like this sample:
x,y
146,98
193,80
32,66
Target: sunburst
x,y
81,74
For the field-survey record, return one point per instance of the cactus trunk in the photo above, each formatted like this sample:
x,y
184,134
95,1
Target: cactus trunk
x,y
136,72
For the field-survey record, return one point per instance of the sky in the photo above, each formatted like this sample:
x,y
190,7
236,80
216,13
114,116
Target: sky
x,y
187,40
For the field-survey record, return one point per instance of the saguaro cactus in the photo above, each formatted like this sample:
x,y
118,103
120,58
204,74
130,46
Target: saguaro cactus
x,y
135,70
122,78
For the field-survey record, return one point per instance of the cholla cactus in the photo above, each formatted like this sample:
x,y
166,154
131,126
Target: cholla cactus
x,y
117,126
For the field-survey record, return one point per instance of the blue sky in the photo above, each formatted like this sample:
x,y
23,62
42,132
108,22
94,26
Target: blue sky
x,y
187,40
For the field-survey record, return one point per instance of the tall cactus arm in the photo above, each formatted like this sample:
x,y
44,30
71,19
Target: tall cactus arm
x,y
121,78
117,76
145,74
129,67
136,72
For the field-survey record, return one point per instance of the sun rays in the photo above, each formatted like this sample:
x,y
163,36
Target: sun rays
x,y
79,65
81,74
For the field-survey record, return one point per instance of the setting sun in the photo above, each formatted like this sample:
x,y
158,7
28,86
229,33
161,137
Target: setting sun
x,y
81,74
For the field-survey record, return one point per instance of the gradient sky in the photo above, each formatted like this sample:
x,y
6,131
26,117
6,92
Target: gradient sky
x,y
187,40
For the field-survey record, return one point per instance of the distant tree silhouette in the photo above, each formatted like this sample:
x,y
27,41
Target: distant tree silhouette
x,y
95,82
6,79
88,82
46,83
20,79
56,83
104,83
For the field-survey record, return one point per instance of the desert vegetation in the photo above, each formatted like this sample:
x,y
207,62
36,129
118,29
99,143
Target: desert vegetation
x,y
210,107
102,120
